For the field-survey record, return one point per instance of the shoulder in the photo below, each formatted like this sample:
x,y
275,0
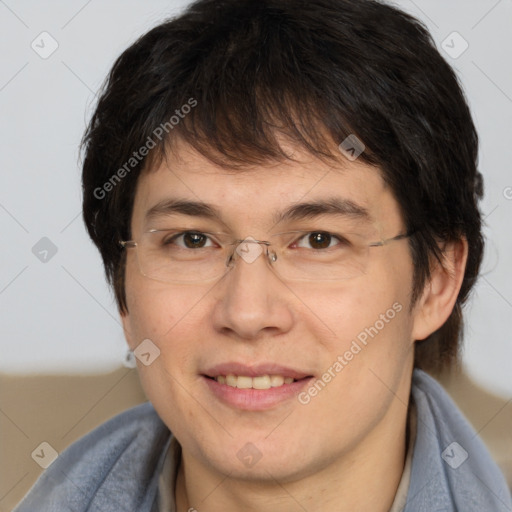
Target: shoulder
x,y
452,469
114,466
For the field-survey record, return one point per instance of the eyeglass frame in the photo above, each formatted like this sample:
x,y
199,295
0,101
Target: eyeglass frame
x,y
272,257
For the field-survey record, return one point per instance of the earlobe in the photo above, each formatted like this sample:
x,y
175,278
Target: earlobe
x,y
441,291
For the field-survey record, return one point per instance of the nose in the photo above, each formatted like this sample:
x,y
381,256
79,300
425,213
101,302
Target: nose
x,y
252,302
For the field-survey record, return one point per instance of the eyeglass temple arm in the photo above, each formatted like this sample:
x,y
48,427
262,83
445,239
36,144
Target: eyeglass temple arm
x,y
397,237
127,243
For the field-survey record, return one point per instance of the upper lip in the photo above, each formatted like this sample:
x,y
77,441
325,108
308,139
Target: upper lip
x,y
254,370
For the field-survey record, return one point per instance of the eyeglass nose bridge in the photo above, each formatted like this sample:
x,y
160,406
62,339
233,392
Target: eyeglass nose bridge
x,y
271,255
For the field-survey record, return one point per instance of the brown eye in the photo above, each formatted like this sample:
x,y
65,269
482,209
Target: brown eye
x,y
188,240
194,240
319,240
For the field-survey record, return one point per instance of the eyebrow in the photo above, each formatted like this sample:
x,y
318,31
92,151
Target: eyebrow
x,y
337,206
182,207
331,206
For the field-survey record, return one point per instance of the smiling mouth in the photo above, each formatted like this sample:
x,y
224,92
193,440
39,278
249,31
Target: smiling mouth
x,y
259,382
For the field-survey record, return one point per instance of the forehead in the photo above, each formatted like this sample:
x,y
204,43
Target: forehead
x,y
259,194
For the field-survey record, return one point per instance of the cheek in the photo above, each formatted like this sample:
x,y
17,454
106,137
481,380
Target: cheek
x,y
169,317
372,325
157,310
349,312
173,318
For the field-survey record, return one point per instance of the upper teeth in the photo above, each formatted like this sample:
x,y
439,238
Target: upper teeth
x,y
260,382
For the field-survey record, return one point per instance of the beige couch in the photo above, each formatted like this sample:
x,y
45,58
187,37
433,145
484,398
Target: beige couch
x,y
60,409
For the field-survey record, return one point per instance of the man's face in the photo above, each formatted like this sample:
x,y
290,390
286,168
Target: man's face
x,y
346,341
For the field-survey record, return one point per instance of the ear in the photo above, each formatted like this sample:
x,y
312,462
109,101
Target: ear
x,y
125,319
441,291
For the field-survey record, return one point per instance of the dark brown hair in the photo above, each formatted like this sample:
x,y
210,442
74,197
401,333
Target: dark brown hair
x,y
314,71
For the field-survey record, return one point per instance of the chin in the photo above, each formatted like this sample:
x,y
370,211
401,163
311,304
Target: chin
x,y
262,461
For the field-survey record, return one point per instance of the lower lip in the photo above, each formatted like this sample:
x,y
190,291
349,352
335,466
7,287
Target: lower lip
x,y
255,399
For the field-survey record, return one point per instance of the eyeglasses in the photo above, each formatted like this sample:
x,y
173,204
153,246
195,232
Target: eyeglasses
x,y
179,255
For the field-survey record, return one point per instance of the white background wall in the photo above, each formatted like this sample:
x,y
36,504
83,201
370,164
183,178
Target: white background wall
x,y
58,315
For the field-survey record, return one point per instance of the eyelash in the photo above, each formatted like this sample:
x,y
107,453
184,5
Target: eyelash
x,y
171,239
341,240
